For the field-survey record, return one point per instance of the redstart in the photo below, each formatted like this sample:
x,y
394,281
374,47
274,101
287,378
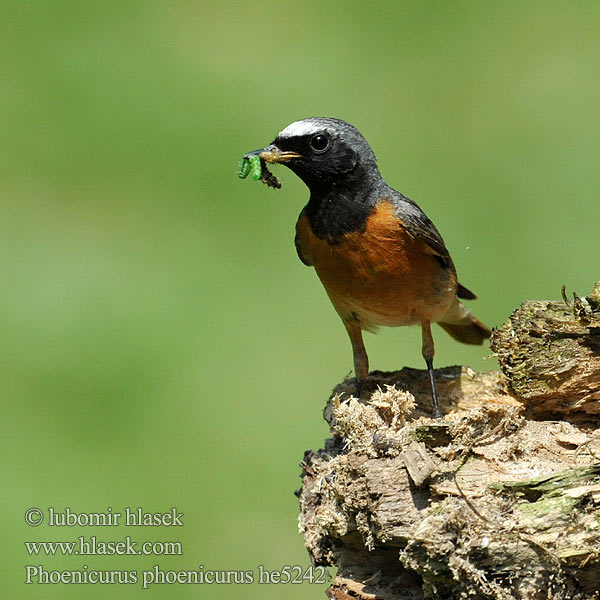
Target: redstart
x,y
379,257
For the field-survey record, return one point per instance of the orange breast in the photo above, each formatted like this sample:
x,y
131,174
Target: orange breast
x,y
382,275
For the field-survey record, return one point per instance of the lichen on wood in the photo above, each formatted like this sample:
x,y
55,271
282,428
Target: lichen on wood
x,y
493,502
550,353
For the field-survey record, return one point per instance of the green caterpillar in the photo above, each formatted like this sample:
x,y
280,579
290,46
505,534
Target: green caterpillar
x,y
255,165
251,164
244,168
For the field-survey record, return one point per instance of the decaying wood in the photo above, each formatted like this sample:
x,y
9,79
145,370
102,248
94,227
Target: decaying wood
x,y
418,463
550,352
500,500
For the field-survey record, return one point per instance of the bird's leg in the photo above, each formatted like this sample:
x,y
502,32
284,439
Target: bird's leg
x,y
358,388
361,360
428,351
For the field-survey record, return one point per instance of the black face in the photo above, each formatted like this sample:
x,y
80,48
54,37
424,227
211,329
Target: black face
x,y
331,151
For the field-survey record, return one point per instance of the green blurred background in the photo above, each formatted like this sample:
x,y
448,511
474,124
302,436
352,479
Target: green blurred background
x,y
162,344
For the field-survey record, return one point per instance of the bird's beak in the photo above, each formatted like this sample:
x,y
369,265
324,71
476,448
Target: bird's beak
x,y
272,154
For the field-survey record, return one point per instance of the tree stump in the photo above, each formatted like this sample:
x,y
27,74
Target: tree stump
x,y
499,500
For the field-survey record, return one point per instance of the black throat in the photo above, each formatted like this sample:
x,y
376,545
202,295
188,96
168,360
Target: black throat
x,y
343,206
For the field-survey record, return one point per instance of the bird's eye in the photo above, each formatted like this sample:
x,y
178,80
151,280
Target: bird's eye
x,y
319,143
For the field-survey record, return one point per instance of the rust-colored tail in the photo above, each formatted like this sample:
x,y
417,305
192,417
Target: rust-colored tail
x,y
469,330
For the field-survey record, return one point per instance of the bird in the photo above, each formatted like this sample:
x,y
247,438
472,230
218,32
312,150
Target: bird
x,y
380,259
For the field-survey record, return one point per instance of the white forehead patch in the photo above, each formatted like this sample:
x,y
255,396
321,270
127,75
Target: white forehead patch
x,y
299,128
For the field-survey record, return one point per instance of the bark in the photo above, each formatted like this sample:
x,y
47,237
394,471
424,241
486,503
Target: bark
x,y
550,353
499,500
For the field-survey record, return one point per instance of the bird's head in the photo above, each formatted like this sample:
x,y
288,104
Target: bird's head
x,y
323,152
